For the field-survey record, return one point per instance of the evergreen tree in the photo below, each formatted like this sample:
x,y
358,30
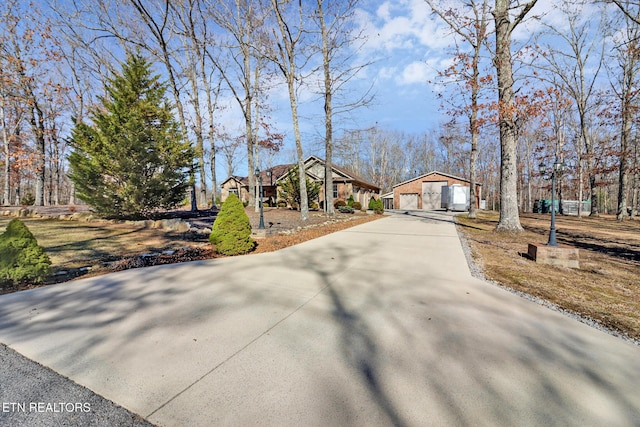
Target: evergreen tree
x,y
290,189
22,258
132,159
231,231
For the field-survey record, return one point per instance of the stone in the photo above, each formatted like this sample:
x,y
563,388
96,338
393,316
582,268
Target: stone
x,y
561,255
176,225
259,234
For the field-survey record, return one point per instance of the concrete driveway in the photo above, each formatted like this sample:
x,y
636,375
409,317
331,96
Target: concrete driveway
x,y
381,324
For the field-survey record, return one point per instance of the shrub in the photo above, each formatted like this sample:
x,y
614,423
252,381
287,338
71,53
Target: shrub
x,y
357,206
350,201
338,203
314,206
22,258
346,209
372,203
282,204
28,199
290,188
231,231
378,206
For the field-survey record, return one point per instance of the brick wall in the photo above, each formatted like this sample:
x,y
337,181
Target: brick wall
x,y
415,187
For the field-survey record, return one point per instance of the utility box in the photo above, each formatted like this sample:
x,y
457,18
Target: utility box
x,y
455,197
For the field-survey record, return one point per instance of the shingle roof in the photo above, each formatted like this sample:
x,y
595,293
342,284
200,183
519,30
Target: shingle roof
x,y
276,172
280,170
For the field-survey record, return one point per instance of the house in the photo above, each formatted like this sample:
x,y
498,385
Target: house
x,y
345,183
239,185
425,191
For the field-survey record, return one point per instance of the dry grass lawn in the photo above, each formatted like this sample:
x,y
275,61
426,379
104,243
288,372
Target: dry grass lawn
x,y
106,247
606,288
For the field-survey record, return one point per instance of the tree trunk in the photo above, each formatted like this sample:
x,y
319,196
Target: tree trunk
x,y
287,45
37,126
304,201
6,198
328,116
625,136
623,183
509,216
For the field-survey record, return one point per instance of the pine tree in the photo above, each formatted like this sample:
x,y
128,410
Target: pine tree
x,y
132,159
290,189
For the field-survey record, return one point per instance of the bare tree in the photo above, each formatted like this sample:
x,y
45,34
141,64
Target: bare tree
x,y
574,69
337,38
243,22
625,87
505,23
290,58
28,52
472,26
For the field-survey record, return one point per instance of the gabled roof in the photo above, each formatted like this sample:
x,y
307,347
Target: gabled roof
x,y
348,175
311,159
276,173
236,178
435,173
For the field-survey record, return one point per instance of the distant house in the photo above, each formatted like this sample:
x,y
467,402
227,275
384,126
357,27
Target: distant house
x,y
345,183
239,185
425,191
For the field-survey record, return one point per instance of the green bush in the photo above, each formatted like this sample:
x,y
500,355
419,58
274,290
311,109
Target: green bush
x,y
350,201
338,203
282,204
231,231
290,188
372,203
378,206
346,209
22,258
28,199
357,206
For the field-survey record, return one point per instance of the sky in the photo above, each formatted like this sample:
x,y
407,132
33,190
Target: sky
x,y
409,46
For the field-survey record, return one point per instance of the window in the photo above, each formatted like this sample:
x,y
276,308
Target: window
x,y
234,191
335,191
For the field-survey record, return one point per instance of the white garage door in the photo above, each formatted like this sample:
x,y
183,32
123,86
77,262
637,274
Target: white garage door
x,y
409,201
432,195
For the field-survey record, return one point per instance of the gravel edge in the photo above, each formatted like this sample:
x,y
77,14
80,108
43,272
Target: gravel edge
x,y
477,272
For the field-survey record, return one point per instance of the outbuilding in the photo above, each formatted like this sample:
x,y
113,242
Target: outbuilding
x,y
425,191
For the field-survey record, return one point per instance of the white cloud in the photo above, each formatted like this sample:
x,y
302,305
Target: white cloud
x,y
422,72
415,72
384,12
400,25
386,73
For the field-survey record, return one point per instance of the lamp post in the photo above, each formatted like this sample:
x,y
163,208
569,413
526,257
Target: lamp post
x,y
270,185
261,225
556,168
